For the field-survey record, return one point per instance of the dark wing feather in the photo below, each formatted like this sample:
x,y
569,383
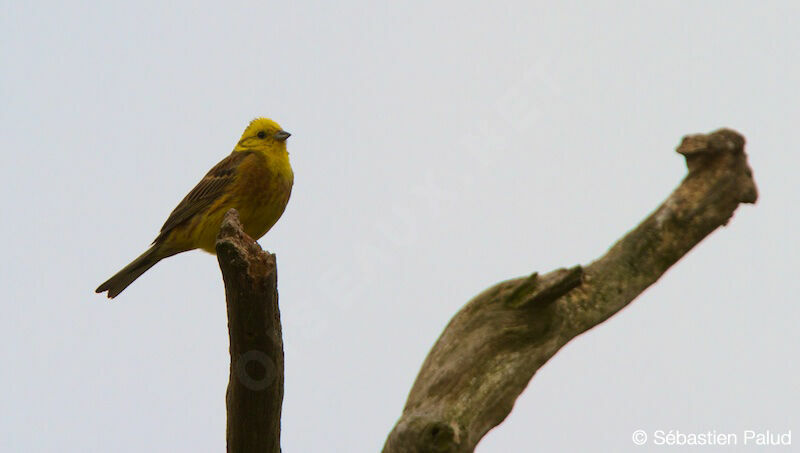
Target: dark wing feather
x,y
205,192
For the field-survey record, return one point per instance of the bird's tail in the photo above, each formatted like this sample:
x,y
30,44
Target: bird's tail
x,y
131,272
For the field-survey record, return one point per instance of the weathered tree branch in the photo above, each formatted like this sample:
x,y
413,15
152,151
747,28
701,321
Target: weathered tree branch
x,y
491,349
255,389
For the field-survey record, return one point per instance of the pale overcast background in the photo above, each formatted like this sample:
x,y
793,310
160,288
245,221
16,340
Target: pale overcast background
x,y
439,147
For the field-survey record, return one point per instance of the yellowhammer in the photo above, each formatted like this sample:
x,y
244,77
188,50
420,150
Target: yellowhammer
x,y
255,179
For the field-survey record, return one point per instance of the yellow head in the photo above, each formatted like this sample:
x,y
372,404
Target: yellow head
x,y
263,133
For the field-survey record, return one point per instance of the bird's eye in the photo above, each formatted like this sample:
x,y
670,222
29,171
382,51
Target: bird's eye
x,y
262,134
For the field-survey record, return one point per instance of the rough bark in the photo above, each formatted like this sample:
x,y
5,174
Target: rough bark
x,y
491,349
255,388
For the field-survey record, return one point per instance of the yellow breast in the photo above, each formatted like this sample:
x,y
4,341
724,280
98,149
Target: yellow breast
x,y
260,193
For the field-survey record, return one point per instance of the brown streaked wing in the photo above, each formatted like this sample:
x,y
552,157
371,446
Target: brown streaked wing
x,y
205,192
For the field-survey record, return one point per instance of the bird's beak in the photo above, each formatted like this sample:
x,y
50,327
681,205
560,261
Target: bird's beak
x,y
281,136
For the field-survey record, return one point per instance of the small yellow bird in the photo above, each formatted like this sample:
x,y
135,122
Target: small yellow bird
x,y
256,179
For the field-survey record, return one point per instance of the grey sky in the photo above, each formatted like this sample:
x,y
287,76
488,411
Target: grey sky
x,y
438,148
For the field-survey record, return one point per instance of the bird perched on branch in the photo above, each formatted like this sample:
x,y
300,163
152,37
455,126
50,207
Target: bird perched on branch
x,y
256,179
